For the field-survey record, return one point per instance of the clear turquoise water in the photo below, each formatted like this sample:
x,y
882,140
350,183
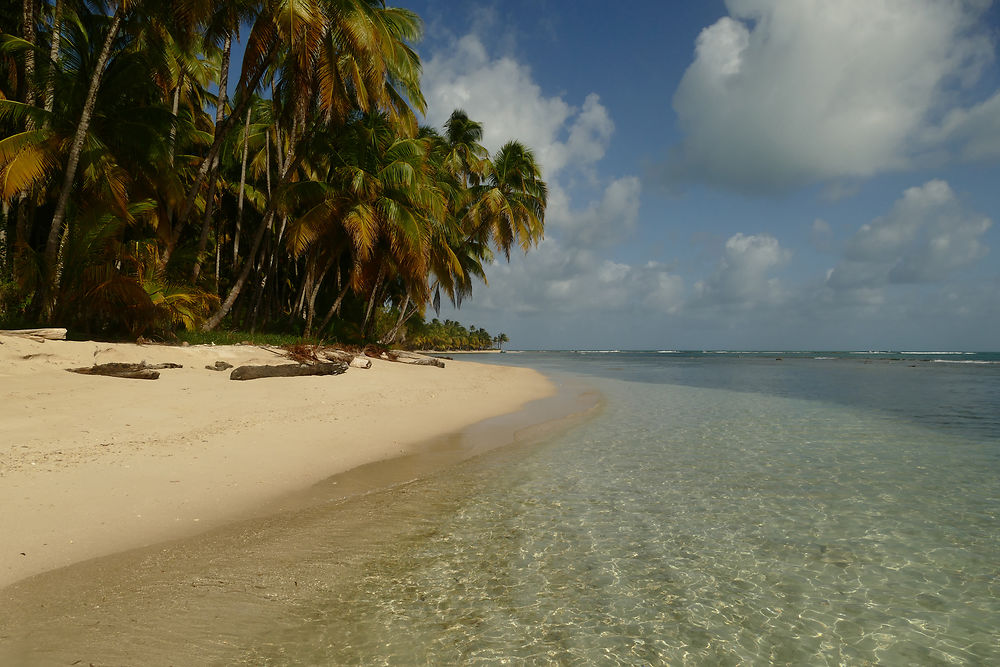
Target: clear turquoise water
x,y
726,511
720,509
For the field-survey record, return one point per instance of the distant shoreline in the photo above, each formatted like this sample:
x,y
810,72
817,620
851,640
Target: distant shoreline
x,y
461,351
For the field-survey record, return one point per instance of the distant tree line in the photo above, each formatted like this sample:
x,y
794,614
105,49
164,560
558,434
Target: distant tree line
x,y
136,199
450,335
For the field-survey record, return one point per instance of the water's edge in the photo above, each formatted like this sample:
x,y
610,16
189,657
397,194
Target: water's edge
x,y
89,610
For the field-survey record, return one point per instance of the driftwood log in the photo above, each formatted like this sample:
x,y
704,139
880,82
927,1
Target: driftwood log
x,y
349,358
404,357
287,370
43,334
360,362
141,371
401,356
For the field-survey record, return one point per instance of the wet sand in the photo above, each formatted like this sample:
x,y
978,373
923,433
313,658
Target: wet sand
x,y
213,597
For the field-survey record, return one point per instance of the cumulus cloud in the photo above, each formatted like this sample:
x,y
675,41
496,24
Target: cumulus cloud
x,y
743,275
501,94
927,236
975,131
787,92
559,278
599,223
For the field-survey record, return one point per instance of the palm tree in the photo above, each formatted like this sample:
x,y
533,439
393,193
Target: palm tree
x,y
466,158
120,171
359,38
509,207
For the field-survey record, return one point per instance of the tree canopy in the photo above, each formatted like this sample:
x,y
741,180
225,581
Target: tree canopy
x,y
138,195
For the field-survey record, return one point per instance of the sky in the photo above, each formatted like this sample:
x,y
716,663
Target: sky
x,y
748,174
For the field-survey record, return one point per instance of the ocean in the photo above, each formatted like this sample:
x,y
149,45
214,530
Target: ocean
x,y
718,508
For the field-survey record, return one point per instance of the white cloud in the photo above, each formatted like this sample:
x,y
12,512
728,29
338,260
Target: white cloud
x,y
927,236
787,92
556,278
501,94
601,222
976,131
742,276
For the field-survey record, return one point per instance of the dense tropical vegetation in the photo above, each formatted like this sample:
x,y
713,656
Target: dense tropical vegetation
x,y
451,335
143,191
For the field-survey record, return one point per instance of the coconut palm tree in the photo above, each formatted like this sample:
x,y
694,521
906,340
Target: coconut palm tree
x,y
340,54
509,208
466,158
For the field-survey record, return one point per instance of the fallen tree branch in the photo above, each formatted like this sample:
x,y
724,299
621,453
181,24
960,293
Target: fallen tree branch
x,y
287,370
38,334
140,371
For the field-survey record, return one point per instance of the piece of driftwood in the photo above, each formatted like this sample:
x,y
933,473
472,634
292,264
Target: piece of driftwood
x,y
331,354
404,357
141,371
44,334
220,366
287,370
349,358
360,362
316,354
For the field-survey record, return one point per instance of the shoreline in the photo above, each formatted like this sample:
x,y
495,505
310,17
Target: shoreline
x,y
92,466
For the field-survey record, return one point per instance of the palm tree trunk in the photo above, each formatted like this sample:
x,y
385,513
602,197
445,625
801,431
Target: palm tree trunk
x,y
313,293
174,109
4,249
206,225
227,48
267,161
371,301
390,337
221,131
28,30
59,216
248,264
241,280
335,308
50,78
243,182
218,255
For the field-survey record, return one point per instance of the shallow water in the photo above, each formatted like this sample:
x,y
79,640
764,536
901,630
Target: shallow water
x,y
715,512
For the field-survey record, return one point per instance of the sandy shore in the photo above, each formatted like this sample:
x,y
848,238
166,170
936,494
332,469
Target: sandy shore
x,y
94,465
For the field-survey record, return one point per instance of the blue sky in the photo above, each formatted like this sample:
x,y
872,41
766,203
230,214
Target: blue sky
x,y
784,174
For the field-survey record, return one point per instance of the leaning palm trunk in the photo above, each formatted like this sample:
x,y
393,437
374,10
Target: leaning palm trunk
x,y
28,29
371,302
404,315
335,308
221,131
248,264
210,204
24,214
311,303
205,226
59,216
241,280
50,78
175,107
243,183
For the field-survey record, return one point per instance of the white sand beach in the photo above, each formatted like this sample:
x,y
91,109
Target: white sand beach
x,y
93,465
